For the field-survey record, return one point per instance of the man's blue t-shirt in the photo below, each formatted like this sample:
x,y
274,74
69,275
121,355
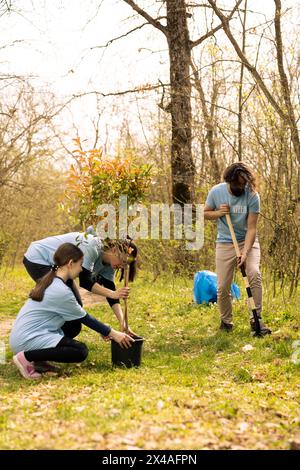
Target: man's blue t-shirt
x,y
240,207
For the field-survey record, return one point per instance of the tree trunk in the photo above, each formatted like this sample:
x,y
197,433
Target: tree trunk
x,y
183,167
240,112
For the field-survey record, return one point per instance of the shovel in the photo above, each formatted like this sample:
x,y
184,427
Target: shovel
x,y
130,357
246,282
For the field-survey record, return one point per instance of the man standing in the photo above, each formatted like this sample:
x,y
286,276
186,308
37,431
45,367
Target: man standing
x,y
237,197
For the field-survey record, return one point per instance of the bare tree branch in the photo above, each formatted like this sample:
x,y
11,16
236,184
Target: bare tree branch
x,y
5,7
139,89
214,30
226,138
147,17
167,107
195,5
285,88
208,120
120,37
247,64
16,41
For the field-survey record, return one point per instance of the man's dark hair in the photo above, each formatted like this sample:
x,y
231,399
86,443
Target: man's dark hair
x,y
233,171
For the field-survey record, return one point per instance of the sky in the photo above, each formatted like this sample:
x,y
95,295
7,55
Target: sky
x,y
55,43
60,40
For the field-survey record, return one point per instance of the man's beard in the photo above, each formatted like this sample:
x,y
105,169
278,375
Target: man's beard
x,y
237,191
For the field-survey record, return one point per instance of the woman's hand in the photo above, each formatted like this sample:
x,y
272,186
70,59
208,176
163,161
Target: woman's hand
x,y
122,293
123,339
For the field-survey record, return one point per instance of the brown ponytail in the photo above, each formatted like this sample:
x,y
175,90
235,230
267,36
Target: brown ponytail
x,y
64,253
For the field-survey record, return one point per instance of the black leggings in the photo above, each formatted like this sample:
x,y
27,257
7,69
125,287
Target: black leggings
x,y
67,350
36,271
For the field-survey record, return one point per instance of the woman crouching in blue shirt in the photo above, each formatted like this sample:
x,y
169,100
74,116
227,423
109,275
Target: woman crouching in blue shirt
x,y
39,333
100,261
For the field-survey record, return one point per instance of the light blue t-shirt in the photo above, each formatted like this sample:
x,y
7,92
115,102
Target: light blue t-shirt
x,y
42,251
100,268
103,270
38,324
240,207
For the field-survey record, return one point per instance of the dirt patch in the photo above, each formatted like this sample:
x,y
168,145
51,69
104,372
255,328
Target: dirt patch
x,y
90,299
5,327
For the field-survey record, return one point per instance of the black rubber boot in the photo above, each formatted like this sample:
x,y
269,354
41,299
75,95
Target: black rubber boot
x,y
264,330
226,326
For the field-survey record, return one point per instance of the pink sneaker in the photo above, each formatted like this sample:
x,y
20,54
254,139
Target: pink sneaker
x,y
25,367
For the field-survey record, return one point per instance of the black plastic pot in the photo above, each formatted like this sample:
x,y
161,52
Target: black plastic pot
x,y
130,357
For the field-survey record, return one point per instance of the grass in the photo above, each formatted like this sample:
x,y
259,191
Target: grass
x,y
196,388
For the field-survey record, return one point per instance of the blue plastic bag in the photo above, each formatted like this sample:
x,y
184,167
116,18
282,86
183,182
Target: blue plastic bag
x,y
205,288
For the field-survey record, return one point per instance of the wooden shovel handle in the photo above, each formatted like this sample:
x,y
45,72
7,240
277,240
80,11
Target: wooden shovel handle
x,y
234,240
126,275
251,302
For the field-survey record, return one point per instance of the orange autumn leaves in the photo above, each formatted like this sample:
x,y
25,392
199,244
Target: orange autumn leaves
x,y
97,179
